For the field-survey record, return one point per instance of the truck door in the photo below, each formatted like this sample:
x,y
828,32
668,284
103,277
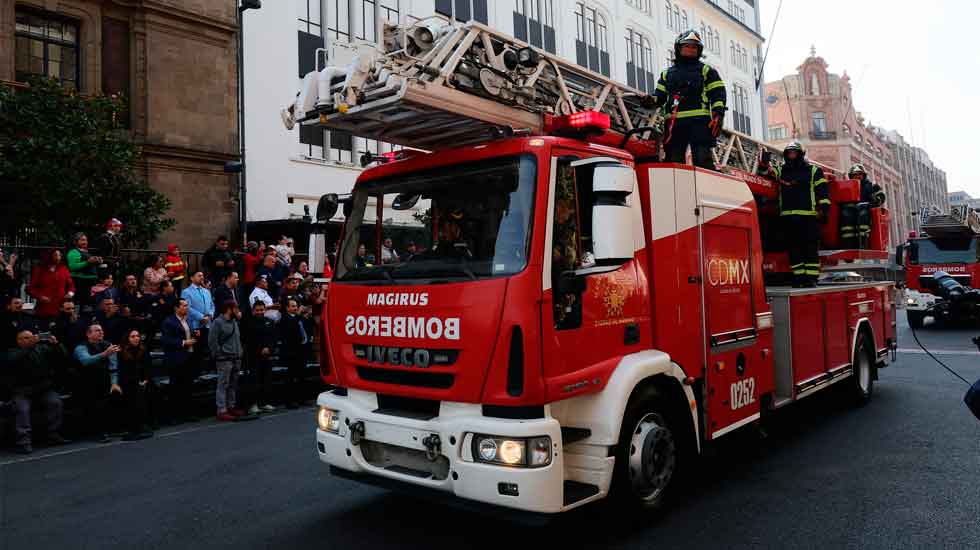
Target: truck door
x,y
593,312
732,362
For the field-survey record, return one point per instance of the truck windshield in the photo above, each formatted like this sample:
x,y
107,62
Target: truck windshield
x,y
460,222
944,251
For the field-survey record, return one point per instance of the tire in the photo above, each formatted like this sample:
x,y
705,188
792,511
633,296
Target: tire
x,y
862,383
916,319
650,457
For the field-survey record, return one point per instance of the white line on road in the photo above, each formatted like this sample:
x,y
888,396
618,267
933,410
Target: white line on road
x,y
938,351
116,443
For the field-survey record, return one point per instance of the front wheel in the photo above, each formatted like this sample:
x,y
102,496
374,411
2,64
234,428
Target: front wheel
x,y
916,319
648,456
863,377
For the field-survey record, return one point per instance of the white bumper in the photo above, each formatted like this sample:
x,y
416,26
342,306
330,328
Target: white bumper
x,y
539,489
918,301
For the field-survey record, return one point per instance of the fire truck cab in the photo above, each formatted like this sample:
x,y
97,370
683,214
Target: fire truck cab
x,y
576,319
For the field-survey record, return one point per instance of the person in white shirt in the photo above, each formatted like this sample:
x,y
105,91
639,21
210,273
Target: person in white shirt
x,y
261,294
388,254
284,251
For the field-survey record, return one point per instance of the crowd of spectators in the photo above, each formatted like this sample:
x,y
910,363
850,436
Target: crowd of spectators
x,y
94,324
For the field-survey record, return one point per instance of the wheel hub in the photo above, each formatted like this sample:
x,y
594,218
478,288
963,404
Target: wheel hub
x,y
652,457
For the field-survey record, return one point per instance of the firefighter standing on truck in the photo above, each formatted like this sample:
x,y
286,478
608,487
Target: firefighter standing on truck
x,y
855,219
692,96
803,204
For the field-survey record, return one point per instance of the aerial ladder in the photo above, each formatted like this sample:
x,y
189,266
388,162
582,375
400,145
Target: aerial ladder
x,y
431,85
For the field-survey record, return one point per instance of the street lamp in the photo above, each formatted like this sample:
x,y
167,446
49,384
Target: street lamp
x,y
242,187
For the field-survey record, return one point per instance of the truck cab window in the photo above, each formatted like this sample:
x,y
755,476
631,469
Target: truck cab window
x,y
430,226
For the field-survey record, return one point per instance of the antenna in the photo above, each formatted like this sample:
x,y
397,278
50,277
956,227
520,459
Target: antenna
x,y
762,66
792,117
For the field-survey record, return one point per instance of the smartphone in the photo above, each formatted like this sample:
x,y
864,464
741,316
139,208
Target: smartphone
x,y
44,336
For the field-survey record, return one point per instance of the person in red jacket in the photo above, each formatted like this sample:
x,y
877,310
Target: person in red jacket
x,y
50,285
176,267
251,261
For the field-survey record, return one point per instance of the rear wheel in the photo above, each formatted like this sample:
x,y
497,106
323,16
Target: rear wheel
x,y
863,378
648,456
916,318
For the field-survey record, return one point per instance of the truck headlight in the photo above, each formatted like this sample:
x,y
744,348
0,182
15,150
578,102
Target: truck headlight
x,y
328,420
533,452
910,301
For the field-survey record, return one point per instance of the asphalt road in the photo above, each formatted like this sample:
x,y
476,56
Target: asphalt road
x,y
902,472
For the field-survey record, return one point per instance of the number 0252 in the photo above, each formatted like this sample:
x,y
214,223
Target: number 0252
x,y
743,393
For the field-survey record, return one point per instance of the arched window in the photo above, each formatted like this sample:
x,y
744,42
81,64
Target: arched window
x,y
677,19
534,23
591,41
639,62
684,26
669,15
814,84
731,48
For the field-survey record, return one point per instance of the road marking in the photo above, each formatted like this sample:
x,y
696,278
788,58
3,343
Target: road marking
x,y
92,446
939,351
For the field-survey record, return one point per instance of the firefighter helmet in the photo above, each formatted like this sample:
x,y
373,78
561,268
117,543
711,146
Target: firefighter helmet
x,y
688,37
794,146
857,169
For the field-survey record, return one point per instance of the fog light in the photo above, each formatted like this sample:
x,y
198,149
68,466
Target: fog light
x,y
328,420
910,302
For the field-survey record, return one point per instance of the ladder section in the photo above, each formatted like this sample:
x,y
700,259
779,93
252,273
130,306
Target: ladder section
x,y
961,221
432,84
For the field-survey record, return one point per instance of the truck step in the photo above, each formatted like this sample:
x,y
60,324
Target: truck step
x,y
573,435
576,491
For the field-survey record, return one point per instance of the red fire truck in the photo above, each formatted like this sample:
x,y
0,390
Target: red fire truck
x,y
576,319
948,244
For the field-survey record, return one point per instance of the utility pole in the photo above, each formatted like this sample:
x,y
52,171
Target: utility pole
x,y
242,183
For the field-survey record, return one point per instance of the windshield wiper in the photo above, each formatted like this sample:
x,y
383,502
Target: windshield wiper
x,y
369,274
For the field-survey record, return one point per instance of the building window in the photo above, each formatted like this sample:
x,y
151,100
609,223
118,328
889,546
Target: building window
x,y
676,17
368,12
739,99
591,40
639,62
46,45
463,10
643,5
777,133
814,84
534,23
820,123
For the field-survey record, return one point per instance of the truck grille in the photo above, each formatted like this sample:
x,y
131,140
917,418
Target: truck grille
x,y
437,380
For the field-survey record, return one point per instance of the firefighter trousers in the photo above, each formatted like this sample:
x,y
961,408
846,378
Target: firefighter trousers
x,y
802,238
691,132
855,225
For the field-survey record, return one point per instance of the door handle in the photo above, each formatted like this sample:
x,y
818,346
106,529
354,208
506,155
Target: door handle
x,y
694,280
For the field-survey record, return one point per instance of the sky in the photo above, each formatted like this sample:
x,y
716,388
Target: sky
x,y
914,67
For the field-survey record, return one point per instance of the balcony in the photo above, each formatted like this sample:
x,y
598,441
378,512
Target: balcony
x,y
823,136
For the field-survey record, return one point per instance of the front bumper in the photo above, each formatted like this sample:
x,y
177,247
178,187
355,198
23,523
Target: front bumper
x,y
919,301
538,489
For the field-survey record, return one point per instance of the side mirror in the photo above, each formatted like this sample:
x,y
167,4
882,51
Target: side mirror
x,y
327,207
900,254
405,201
612,217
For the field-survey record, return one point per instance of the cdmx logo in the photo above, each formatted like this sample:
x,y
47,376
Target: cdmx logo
x,y
728,271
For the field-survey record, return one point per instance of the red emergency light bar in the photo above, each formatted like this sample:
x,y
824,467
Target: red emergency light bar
x,y
582,121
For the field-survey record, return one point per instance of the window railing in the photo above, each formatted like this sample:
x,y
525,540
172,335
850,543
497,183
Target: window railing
x,y
823,135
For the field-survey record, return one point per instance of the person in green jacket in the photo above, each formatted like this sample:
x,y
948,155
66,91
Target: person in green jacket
x,y
82,266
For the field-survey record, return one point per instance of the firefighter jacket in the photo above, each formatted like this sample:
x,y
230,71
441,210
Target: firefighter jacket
x,y
699,87
806,192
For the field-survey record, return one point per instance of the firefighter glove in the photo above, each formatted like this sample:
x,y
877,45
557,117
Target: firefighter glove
x,y
717,121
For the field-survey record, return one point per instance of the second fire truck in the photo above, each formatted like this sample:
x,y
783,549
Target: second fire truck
x,y
577,319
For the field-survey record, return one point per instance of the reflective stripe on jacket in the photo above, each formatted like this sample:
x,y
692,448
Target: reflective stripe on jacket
x,y
807,189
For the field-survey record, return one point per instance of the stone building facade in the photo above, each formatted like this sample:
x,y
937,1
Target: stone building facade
x,y
816,107
176,62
